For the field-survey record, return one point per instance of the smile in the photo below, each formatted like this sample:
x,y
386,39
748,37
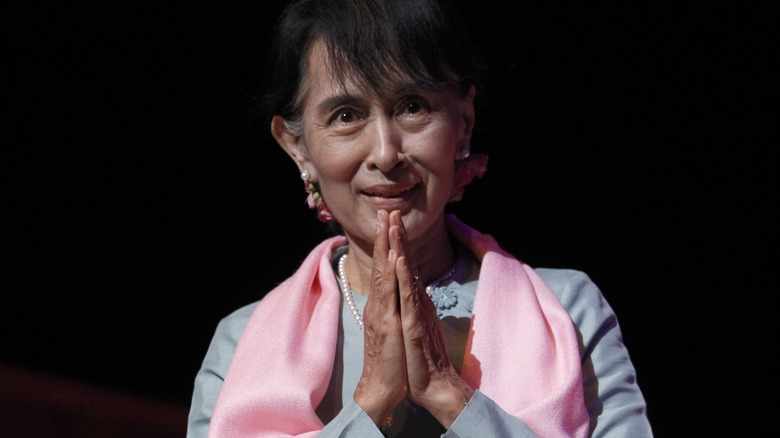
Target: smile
x,y
386,194
389,198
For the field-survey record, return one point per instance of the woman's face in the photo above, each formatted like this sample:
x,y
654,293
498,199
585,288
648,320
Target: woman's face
x,y
393,152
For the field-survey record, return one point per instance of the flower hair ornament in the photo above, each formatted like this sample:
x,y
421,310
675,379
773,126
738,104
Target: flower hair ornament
x,y
467,167
314,200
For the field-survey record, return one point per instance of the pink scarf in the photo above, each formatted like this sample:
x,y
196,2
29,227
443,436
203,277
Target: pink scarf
x,y
522,350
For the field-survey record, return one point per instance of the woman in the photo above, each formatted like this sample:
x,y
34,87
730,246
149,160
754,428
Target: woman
x,y
410,323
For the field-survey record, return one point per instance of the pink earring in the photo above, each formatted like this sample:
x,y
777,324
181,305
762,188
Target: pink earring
x,y
466,169
314,200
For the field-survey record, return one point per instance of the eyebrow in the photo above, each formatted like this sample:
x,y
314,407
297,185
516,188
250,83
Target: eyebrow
x,y
332,102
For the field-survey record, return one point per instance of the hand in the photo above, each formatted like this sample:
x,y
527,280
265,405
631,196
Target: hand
x,y
433,382
383,383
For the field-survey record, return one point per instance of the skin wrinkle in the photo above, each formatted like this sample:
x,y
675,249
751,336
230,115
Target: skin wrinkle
x,y
374,99
412,160
361,147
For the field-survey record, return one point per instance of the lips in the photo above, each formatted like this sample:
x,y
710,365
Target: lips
x,y
389,197
385,194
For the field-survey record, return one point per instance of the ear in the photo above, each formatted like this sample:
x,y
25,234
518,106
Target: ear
x,y
469,114
291,143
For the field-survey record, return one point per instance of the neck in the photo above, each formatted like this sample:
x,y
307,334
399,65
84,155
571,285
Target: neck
x,y
432,252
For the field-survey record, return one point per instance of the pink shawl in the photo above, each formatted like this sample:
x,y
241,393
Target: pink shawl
x,y
522,350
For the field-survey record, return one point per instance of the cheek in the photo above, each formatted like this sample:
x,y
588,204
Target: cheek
x,y
332,169
332,160
435,151
335,169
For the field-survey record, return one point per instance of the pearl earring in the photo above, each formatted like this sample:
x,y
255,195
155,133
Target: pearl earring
x,y
314,199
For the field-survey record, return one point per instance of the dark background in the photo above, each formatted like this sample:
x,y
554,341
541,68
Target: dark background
x,y
146,202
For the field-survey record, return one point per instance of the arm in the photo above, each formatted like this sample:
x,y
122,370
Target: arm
x,y
209,379
483,417
351,420
614,400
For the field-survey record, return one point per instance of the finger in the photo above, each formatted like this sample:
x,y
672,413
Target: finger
x,y
408,286
381,240
383,277
413,301
401,245
423,341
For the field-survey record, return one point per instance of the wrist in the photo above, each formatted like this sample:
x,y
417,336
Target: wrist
x,y
448,401
378,408
387,423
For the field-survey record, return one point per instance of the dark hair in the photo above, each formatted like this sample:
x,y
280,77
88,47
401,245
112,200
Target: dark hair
x,y
385,44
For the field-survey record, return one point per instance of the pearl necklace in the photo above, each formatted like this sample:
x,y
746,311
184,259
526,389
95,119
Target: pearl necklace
x,y
344,286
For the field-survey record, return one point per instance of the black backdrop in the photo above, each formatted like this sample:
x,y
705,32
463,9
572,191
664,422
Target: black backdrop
x,y
146,202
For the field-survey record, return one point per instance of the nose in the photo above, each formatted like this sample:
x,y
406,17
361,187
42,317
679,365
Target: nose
x,y
386,150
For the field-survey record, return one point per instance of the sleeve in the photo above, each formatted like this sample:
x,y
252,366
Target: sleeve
x,y
483,417
351,420
209,379
614,400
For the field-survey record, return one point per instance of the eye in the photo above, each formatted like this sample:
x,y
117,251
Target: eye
x,y
413,107
345,120
344,116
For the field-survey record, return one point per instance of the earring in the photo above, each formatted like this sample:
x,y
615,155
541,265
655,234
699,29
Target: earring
x,y
463,153
466,169
314,199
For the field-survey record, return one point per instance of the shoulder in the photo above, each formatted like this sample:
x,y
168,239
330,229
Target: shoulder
x,y
570,285
579,295
242,313
232,326
613,397
225,339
